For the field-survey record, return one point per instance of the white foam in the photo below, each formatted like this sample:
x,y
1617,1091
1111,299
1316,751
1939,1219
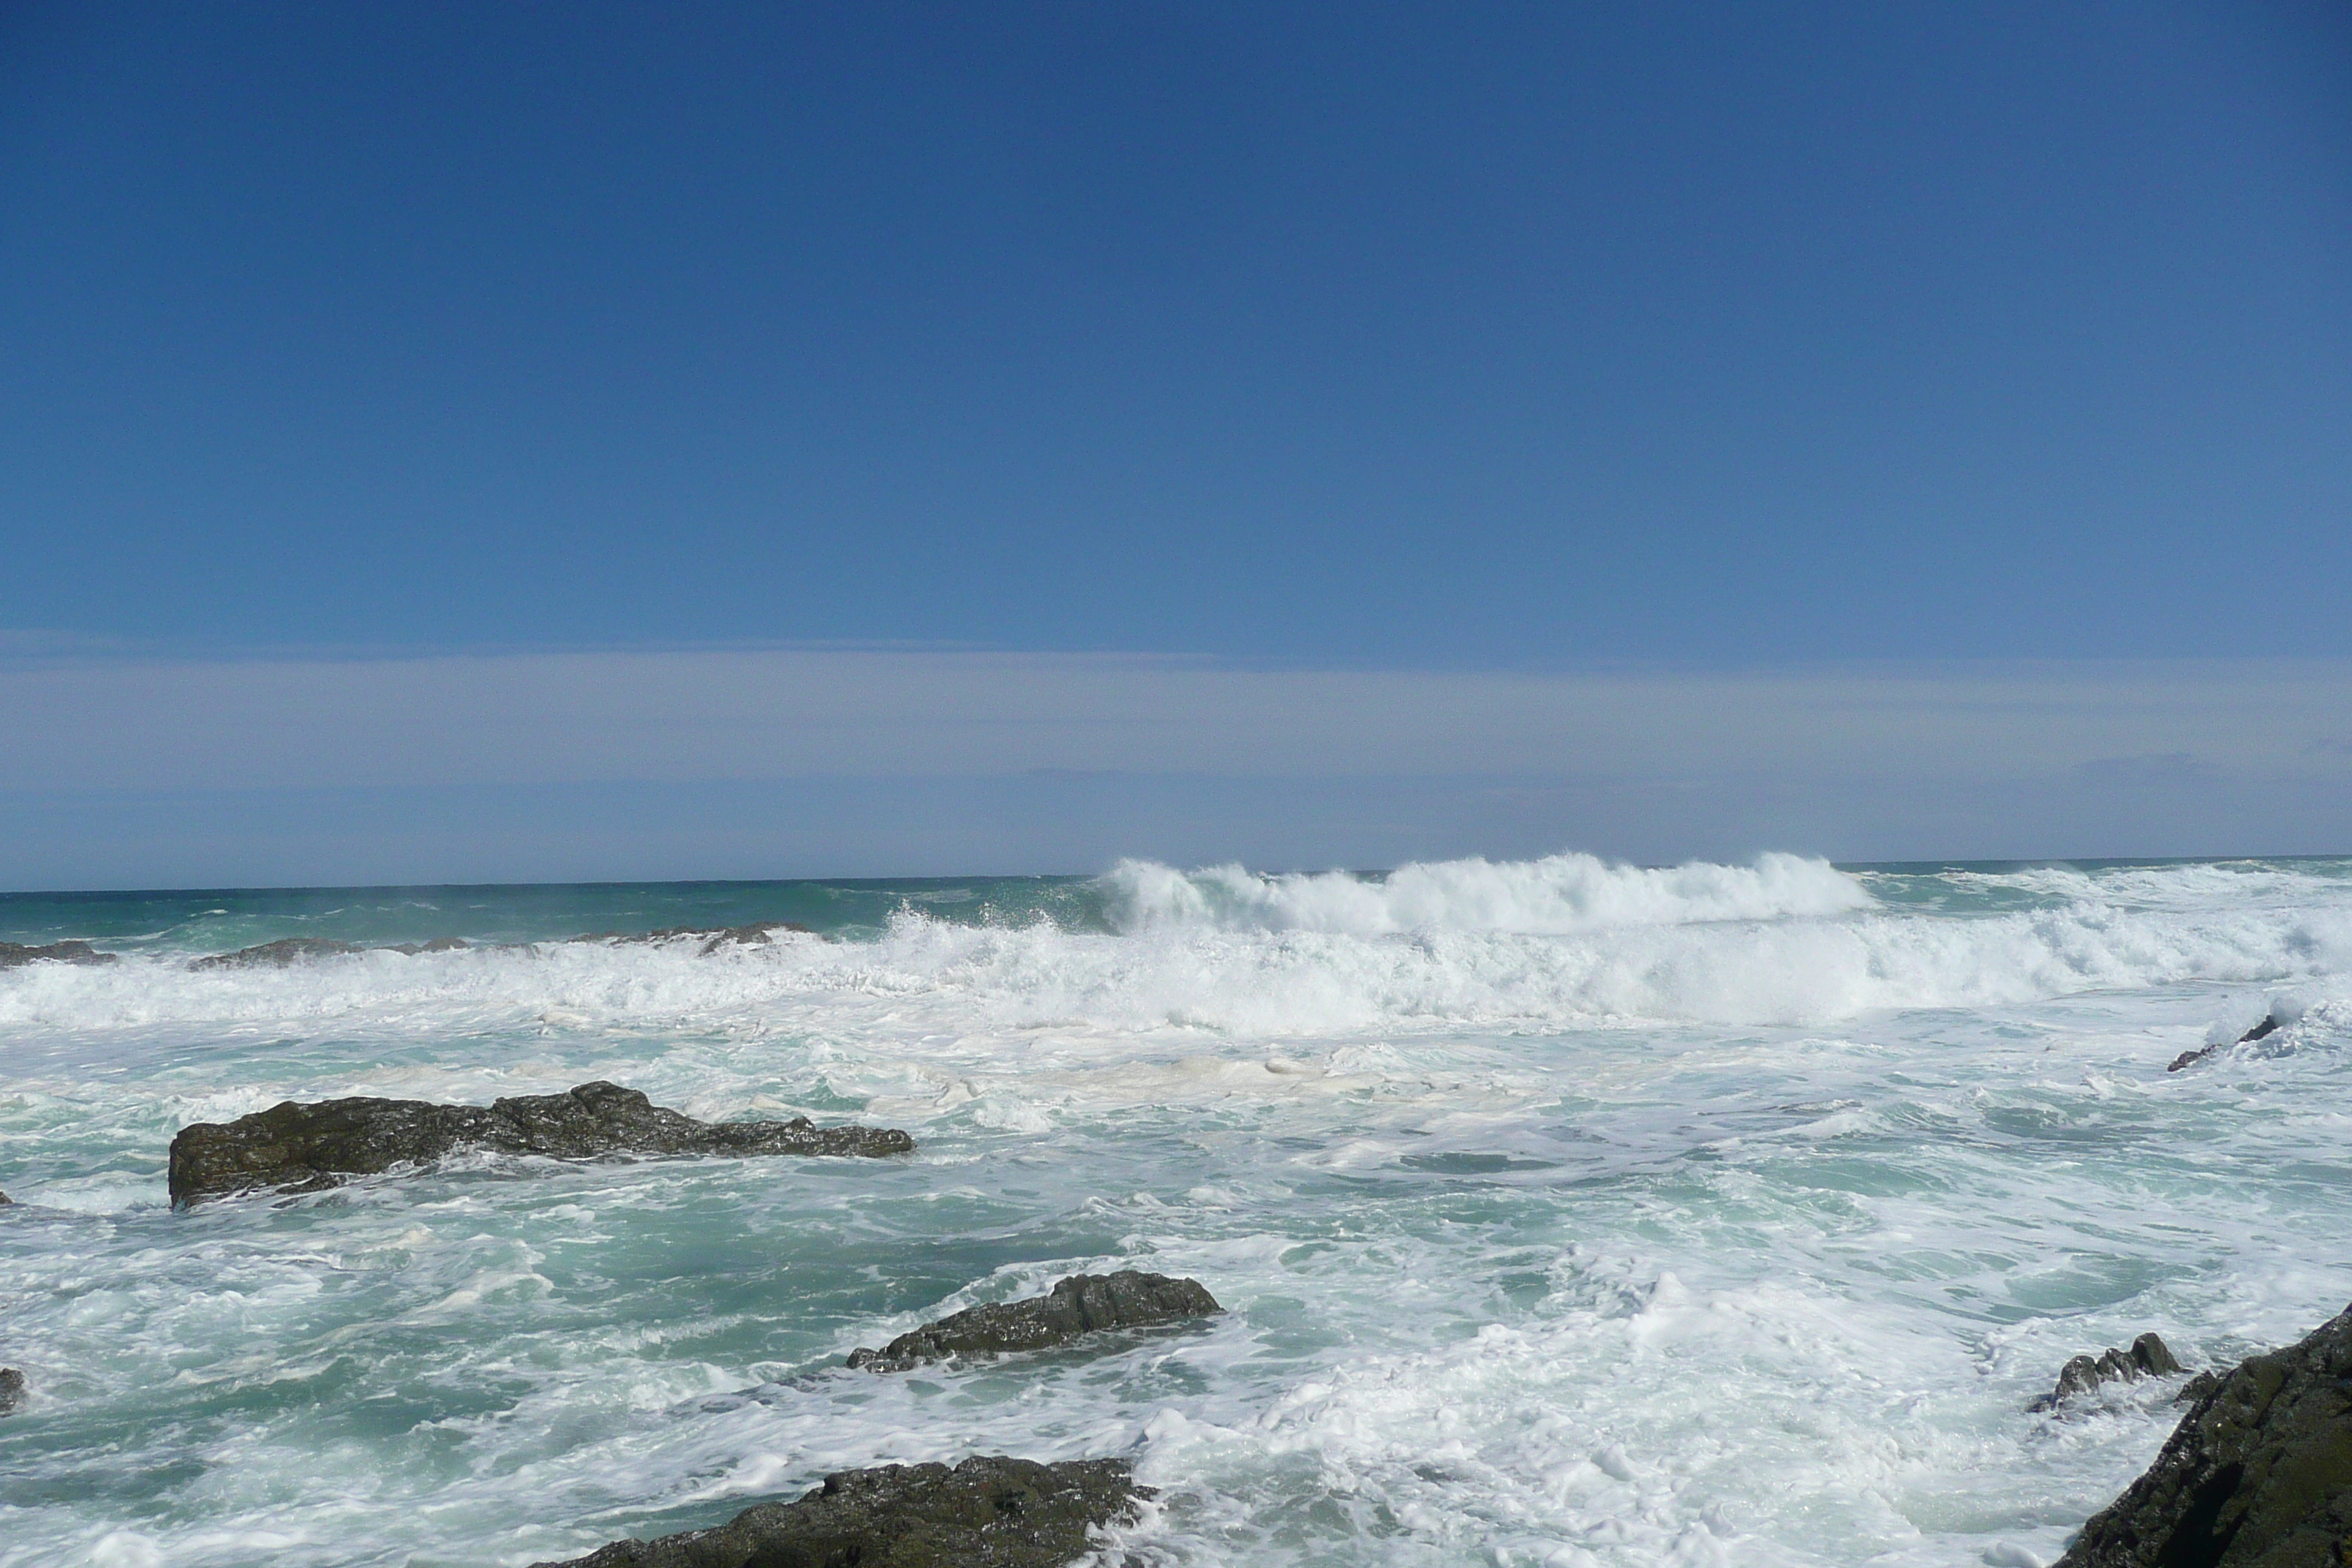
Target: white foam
x,y
1539,945
1557,894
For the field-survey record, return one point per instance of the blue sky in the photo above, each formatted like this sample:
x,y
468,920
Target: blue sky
x,y
1512,341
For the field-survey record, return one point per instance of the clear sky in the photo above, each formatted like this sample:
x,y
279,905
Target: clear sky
x,y
1512,341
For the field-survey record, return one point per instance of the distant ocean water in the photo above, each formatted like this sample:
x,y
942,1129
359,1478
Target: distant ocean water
x,y
1567,1214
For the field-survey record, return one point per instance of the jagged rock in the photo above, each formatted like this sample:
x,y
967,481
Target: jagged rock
x,y
2269,1024
987,1512
1081,1304
12,1389
438,945
277,954
714,937
15,953
5,1200
2148,1357
306,1148
2257,1475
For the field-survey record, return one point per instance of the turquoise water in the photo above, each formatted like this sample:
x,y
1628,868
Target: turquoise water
x,y
1567,1214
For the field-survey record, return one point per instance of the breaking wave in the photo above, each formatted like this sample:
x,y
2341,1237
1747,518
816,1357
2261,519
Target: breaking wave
x,y
1560,942
1555,895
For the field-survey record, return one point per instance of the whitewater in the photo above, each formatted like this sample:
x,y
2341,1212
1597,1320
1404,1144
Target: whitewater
x,y
1567,1213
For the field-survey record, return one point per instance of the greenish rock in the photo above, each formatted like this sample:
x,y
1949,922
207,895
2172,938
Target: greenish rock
x,y
1079,1305
986,1512
2257,1475
307,1147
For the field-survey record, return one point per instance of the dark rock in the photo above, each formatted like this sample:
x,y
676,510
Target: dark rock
x,y
438,945
2260,1031
15,953
12,1389
2257,1475
713,937
306,1148
5,1200
1081,1304
277,954
2148,1357
984,1513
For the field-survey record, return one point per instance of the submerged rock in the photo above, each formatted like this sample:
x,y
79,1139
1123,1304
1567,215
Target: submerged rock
x,y
2258,1474
2263,1030
1081,1304
306,1148
12,1389
277,954
984,1513
15,953
2148,1357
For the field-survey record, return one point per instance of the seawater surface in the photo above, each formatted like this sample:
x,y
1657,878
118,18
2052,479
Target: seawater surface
x,y
1568,1212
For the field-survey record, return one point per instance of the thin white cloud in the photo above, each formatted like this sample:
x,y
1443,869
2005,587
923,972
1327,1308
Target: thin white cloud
x,y
87,725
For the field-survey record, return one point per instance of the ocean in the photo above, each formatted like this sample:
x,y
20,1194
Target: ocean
x,y
1566,1213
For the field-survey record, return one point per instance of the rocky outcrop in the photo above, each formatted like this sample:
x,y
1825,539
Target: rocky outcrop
x,y
713,937
291,950
984,1513
15,953
305,1148
2148,1357
12,1389
2263,1030
2258,1474
1081,1304
277,954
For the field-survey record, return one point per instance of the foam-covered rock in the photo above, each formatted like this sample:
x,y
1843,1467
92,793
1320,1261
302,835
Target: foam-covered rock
x,y
305,1148
2148,1357
986,1512
2257,1475
1079,1305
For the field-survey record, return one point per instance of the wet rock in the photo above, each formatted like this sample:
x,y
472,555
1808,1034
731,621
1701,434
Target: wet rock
x,y
12,1389
5,1200
987,1512
277,954
713,937
438,945
13,954
2263,1030
1081,1304
2257,1475
2148,1357
306,1148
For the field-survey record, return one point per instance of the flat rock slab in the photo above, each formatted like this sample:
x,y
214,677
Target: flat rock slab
x,y
306,1148
984,1513
2149,1356
1081,1304
2258,1474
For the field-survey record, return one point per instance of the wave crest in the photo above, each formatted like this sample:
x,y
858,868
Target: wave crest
x,y
1557,895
